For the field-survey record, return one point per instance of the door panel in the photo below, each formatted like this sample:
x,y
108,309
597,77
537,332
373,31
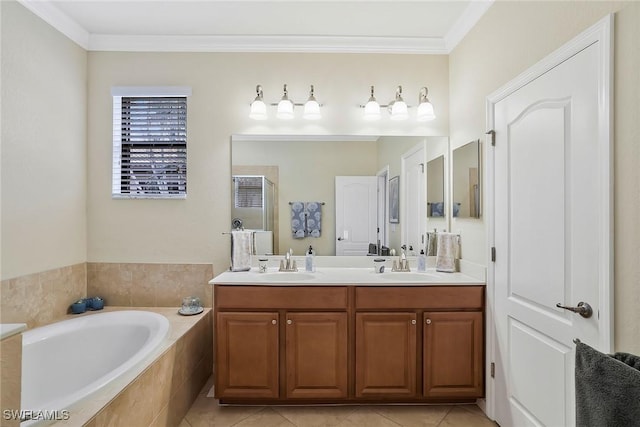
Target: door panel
x,y
548,220
385,354
247,355
316,355
356,214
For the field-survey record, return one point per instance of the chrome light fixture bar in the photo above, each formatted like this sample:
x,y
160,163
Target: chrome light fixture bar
x,y
285,107
398,108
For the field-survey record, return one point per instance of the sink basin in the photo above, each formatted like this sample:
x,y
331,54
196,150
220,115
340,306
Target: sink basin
x,y
408,277
285,277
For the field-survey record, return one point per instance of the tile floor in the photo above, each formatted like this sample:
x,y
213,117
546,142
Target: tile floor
x,y
205,412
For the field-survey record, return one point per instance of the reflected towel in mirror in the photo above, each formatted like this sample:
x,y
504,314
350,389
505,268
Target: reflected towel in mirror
x,y
241,249
448,252
298,220
314,218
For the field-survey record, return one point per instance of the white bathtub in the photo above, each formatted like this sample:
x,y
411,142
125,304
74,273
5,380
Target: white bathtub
x,y
66,361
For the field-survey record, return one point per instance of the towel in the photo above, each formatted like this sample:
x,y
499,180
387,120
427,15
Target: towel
x,y
314,218
607,388
241,248
432,243
298,220
447,252
437,209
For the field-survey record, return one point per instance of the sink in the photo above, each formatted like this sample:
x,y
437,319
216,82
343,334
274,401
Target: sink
x,y
409,277
285,276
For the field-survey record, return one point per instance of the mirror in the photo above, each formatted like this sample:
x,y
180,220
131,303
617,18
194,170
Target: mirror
x,y
303,169
435,188
466,181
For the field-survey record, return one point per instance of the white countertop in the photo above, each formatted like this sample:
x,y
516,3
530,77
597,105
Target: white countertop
x,y
343,276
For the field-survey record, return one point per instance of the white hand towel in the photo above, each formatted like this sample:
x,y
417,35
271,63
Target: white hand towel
x,y
447,252
241,249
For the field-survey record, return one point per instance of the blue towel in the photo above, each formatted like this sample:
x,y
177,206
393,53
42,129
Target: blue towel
x,y
298,220
314,218
437,209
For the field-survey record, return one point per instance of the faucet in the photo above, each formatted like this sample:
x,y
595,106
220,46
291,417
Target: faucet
x,y
288,264
403,263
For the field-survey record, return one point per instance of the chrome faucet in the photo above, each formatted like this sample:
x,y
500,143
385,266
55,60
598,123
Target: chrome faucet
x,y
288,264
402,264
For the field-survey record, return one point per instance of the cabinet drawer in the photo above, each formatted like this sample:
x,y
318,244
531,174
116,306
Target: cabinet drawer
x,y
424,297
280,297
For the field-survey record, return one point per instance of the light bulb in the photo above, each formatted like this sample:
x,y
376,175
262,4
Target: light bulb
x,y
311,108
258,107
399,109
425,112
372,108
285,107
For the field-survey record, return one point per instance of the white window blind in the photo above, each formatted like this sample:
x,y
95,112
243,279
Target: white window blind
x,y
248,191
150,146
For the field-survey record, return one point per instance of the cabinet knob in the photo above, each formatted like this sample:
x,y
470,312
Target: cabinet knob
x,y
274,321
428,321
413,322
289,322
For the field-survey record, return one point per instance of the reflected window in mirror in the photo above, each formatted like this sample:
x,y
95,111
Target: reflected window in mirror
x,y
467,190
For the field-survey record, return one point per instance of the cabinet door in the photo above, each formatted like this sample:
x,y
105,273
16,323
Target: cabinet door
x,y
385,354
452,354
247,355
316,355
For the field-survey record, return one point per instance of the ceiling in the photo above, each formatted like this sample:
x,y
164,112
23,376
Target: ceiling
x,y
417,26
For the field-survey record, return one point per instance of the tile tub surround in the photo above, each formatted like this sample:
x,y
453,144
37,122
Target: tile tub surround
x,y
42,298
161,392
149,285
10,377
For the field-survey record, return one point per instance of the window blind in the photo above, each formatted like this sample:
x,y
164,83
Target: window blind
x,y
150,146
248,191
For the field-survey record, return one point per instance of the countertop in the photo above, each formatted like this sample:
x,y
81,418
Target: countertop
x,y
343,276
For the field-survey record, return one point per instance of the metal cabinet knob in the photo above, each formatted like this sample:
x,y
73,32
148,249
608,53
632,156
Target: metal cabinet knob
x,y
428,321
289,322
274,321
413,322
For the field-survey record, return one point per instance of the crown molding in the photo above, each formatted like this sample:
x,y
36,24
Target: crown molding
x,y
465,23
296,44
53,16
46,10
303,138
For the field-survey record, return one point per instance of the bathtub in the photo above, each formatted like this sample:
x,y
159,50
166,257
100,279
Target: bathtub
x,y
66,361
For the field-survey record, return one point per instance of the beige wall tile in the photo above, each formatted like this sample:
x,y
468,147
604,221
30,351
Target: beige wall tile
x,y
10,376
51,291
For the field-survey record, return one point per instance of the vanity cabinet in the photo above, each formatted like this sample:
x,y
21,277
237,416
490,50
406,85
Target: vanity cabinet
x,y
385,354
452,350
333,344
281,342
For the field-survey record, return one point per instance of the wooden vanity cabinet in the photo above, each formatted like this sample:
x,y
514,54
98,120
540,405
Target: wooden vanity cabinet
x,y
277,342
452,349
385,354
332,344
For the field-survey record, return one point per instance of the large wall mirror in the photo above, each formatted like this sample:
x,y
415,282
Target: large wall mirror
x,y
304,169
466,181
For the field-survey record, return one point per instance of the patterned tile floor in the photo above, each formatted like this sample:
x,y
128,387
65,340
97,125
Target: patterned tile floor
x,y
205,412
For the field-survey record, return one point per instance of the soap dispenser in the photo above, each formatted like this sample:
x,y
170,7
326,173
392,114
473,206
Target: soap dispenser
x,y
309,264
422,261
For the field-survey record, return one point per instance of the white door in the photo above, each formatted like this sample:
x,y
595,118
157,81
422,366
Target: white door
x,y
551,231
413,205
356,205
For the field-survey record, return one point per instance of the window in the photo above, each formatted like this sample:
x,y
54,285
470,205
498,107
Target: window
x,y
248,191
150,142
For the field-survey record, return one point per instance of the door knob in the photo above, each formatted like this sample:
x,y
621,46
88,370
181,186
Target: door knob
x,y
289,322
340,239
428,321
583,309
274,321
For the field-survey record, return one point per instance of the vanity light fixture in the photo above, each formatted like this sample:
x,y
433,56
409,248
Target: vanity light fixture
x,y
372,108
311,107
285,107
398,108
425,108
258,107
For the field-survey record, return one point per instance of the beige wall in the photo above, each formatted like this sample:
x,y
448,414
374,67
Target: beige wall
x,y
44,123
513,36
223,86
